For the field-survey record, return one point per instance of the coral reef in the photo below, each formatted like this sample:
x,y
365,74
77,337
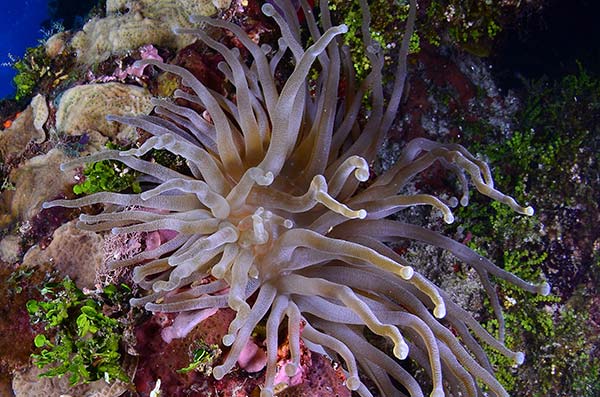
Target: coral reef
x,y
16,335
278,219
132,24
30,384
84,108
36,181
72,252
542,144
26,127
550,155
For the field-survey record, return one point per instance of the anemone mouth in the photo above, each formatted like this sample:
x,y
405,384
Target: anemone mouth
x,y
279,215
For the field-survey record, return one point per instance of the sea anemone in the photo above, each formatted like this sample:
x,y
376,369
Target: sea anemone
x,y
279,221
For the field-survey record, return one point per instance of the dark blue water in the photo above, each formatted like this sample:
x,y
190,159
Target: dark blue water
x,y
551,43
20,28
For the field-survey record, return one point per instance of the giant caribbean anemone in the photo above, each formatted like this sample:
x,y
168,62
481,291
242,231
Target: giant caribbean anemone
x,y
278,221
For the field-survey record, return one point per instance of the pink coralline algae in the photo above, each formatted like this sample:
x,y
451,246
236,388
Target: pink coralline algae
x,y
184,323
320,380
136,70
133,70
160,358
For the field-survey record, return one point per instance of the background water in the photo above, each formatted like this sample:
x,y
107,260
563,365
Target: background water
x,y
21,24
549,43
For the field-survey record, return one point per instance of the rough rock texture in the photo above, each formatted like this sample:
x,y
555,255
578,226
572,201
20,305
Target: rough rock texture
x,y
9,249
5,386
116,34
25,128
131,24
37,180
322,380
73,252
40,113
159,360
6,217
28,384
16,333
56,44
84,108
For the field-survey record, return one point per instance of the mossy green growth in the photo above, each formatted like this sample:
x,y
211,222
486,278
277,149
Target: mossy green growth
x,y
108,176
542,163
385,28
570,362
170,160
202,357
472,24
80,340
565,365
527,316
30,69
5,183
555,133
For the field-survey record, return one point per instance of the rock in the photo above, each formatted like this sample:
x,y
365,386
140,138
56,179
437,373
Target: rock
x,y
83,108
10,249
73,252
25,128
101,38
28,384
6,216
132,24
40,111
5,385
55,44
37,180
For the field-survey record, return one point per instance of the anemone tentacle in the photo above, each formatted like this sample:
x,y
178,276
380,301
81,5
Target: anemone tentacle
x,y
278,220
